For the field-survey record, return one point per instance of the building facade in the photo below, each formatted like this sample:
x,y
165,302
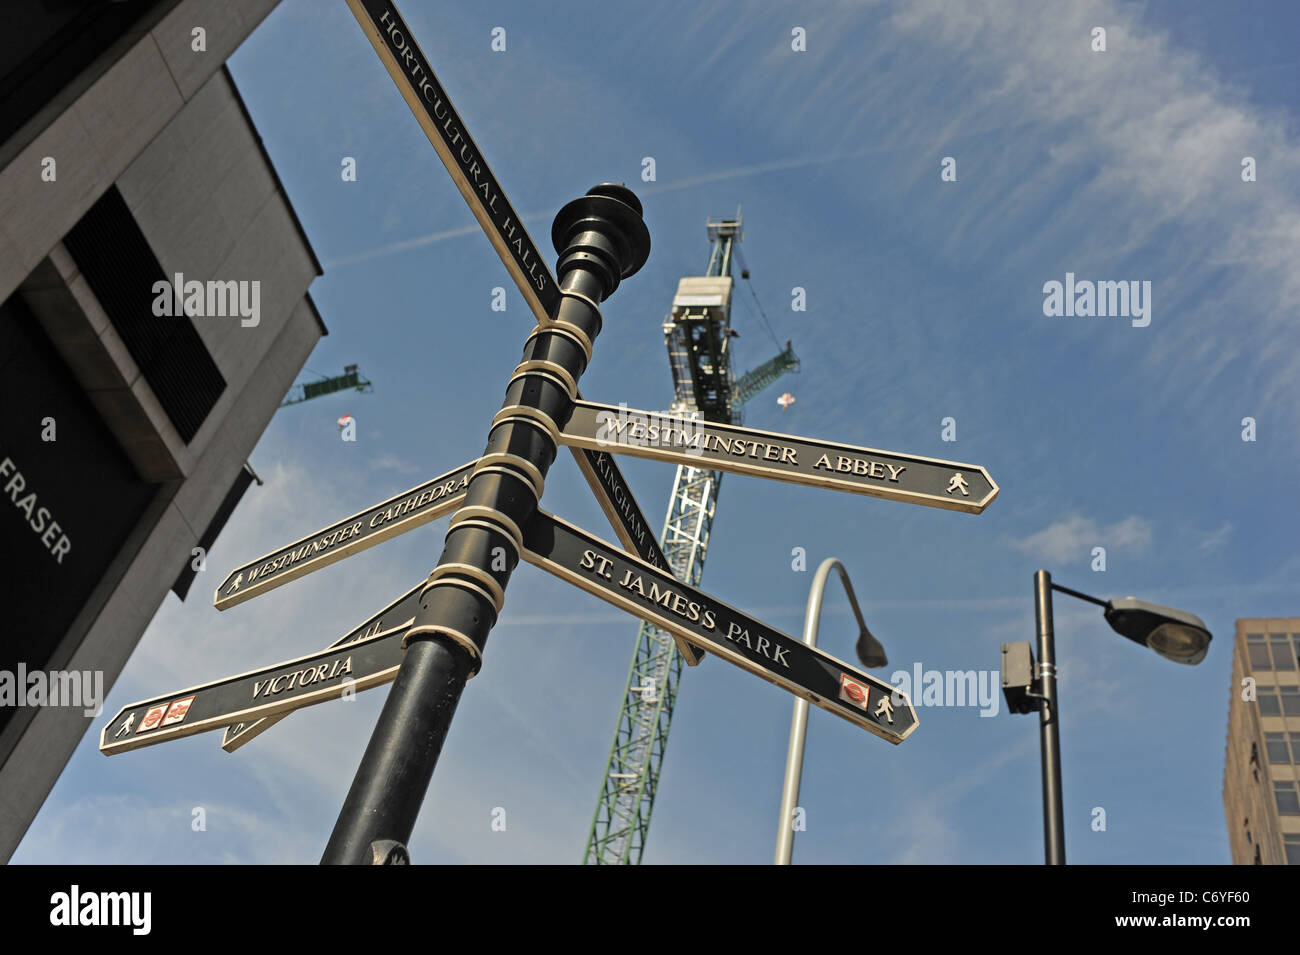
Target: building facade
x,y
153,313
1261,777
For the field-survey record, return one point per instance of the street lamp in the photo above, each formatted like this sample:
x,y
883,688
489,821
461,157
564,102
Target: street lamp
x,y
1174,634
872,655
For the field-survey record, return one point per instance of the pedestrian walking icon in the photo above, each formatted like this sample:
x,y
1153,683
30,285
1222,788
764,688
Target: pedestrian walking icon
x,y
125,727
885,708
958,483
234,585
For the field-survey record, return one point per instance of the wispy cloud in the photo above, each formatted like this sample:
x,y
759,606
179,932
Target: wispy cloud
x,y
1127,162
1218,538
541,218
1152,129
415,242
1074,538
391,462
930,833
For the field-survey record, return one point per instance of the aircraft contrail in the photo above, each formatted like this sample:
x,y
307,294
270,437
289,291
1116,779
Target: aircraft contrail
x,y
754,169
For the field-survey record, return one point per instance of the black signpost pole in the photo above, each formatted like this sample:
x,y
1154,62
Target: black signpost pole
x,y
600,239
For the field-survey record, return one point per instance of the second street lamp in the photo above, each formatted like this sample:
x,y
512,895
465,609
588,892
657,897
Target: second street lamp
x,y
870,652
1174,634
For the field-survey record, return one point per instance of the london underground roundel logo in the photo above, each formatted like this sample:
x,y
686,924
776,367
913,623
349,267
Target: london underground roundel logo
x,y
853,692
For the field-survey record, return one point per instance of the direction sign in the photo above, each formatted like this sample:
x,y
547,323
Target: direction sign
x,y
616,500
398,614
315,678
625,581
783,457
411,509
419,86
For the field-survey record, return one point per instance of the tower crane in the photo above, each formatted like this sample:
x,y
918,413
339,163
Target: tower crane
x,y
699,335
307,390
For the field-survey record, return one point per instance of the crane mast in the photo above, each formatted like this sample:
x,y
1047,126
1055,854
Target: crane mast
x,y
698,336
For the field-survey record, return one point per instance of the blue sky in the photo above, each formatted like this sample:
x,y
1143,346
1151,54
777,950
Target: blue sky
x,y
924,301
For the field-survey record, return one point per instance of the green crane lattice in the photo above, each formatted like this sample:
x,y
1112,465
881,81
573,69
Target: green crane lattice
x,y
307,390
698,335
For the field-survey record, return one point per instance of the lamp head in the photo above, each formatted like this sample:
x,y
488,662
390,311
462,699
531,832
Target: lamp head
x,y
1174,634
870,650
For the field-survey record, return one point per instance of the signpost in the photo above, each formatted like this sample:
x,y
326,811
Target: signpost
x,y
781,457
404,512
415,79
315,678
616,500
414,508
617,577
396,615
430,641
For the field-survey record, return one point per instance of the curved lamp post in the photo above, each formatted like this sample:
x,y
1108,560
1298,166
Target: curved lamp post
x,y
1174,634
872,655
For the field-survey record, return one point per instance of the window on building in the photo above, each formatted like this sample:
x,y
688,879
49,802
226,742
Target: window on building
x,y
1269,705
1257,859
1291,841
1278,747
1290,699
1283,655
1257,652
121,268
1288,800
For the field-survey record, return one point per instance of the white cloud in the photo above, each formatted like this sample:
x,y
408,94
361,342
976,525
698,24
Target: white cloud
x,y
1218,538
1126,162
391,462
930,831
1151,129
1073,538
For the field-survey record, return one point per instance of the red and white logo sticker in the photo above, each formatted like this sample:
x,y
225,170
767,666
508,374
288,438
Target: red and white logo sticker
x,y
152,718
176,712
853,692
